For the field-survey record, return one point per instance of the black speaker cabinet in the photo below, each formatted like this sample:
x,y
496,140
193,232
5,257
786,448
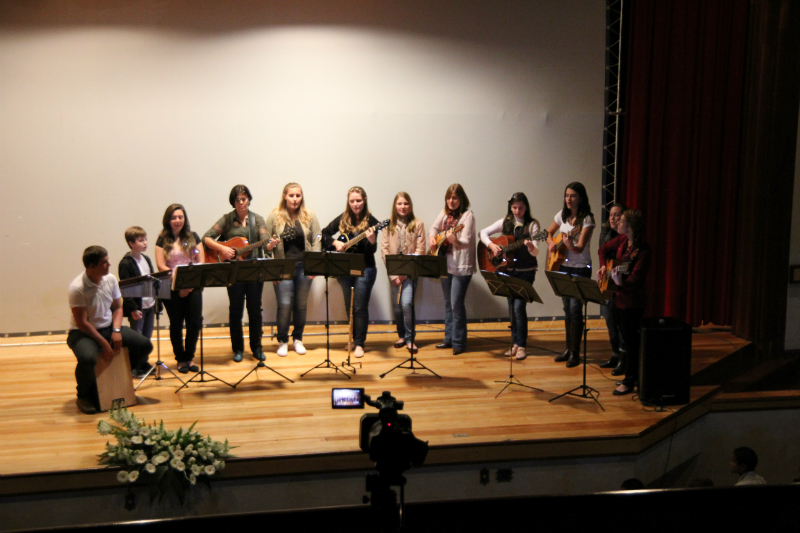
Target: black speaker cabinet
x,y
665,361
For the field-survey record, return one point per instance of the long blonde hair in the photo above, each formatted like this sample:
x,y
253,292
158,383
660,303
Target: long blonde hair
x,y
411,225
282,212
349,223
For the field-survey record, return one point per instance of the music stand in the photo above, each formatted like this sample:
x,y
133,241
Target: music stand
x,y
585,290
415,267
504,285
262,271
331,265
200,276
151,286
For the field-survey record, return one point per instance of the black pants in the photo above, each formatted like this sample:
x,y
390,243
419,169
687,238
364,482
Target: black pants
x,y
630,324
87,351
189,311
237,294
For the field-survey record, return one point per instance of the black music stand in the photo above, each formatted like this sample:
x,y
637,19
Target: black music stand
x,y
585,290
262,272
155,286
331,265
510,287
216,275
415,267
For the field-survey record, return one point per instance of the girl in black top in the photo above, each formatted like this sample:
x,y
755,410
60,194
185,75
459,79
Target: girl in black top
x,y
356,219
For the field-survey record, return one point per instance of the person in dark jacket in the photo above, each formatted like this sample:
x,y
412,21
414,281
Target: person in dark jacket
x,y
140,312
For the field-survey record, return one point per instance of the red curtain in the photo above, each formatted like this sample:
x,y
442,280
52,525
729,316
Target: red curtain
x,y
680,164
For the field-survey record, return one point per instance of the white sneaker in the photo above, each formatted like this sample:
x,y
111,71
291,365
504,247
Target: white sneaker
x,y
359,352
521,353
283,349
299,348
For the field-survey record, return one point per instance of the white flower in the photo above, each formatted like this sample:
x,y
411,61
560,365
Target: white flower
x,y
145,432
159,459
197,470
178,454
194,453
163,444
192,479
122,476
189,448
141,459
150,468
104,428
148,442
210,470
164,454
178,465
192,460
133,476
137,440
210,455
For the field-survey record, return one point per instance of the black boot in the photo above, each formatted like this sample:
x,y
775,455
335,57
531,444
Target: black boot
x,y
565,356
612,362
619,370
576,336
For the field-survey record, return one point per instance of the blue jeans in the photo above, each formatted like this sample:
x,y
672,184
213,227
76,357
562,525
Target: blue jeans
x,y
573,308
237,295
402,310
455,312
292,296
363,290
518,310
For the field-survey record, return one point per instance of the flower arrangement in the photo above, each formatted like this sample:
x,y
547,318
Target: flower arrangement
x,y
163,458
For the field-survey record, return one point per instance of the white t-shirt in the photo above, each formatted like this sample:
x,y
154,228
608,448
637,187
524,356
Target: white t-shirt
x,y
583,259
97,299
144,268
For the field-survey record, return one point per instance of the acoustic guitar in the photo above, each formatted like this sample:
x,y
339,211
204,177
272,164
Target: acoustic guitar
x,y
440,238
242,246
349,243
557,258
489,262
606,284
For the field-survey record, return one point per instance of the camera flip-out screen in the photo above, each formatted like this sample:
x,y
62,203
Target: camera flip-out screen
x,y
347,398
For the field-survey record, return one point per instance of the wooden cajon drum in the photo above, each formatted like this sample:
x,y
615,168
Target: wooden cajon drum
x,y
114,381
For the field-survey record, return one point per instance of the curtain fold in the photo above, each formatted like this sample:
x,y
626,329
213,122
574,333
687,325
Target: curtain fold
x,y
681,148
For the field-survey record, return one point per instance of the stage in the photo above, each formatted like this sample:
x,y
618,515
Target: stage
x,y
280,427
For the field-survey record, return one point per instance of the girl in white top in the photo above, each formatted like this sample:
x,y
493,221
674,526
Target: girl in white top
x,y
578,262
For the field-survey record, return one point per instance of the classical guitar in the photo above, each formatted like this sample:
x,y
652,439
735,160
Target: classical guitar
x,y
441,237
557,258
607,285
242,247
489,262
349,243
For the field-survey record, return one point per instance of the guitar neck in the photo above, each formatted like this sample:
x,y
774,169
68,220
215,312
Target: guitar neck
x,y
250,247
358,238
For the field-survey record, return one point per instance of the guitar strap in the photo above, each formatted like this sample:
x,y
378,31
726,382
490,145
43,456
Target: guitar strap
x,y
251,223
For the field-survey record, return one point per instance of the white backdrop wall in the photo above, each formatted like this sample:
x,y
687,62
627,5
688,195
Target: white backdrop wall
x,y
111,111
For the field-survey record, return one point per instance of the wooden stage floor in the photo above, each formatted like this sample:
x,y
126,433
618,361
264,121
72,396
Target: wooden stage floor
x,y
283,427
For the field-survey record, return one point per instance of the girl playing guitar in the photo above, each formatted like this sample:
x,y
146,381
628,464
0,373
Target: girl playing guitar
x,y
630,301
355,220
576,213
461,260
519,224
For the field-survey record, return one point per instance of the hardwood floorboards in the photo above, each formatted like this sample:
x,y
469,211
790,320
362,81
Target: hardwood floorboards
x,y
41,429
